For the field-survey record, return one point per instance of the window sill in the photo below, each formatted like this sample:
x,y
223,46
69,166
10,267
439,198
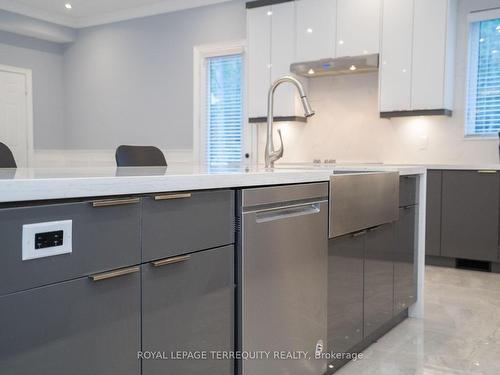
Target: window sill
x,y
481,138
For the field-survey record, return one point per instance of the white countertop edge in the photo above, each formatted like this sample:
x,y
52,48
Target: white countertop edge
x,y
55,184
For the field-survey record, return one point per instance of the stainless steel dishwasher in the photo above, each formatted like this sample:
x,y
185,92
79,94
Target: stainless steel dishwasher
x,y
282,278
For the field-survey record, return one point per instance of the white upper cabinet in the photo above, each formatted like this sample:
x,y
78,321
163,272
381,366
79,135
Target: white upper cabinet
x,y
271,51
417,56
259,59
433,54
282,56
396,56
358,27
316,23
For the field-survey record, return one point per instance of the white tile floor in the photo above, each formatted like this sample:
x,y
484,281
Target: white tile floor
x,y
460,333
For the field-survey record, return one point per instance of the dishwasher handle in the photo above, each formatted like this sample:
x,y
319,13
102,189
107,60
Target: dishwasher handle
x,y
287,212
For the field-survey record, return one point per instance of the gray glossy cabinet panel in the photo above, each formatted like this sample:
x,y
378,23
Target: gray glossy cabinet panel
x,y
176,226
189,305
104,238
408,190
78,327
405,273
433,213
470,216
345,292
379,277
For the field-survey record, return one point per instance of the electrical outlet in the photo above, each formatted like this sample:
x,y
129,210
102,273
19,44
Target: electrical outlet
x,y
48,239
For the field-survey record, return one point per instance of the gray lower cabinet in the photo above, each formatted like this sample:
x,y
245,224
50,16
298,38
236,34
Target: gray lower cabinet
x,y
470,215
345,292
106,235
77,327
188,305
433,213
378,277
405,272
177,223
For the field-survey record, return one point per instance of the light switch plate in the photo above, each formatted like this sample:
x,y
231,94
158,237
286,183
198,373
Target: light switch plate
x,y
29,251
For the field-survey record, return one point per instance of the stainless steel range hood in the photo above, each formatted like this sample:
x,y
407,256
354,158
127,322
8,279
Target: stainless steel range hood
x,y
341,65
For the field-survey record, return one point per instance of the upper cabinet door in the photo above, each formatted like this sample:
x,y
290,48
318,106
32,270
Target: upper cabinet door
x,y
259,59
358,27
316,24
283,55
396,56
433,45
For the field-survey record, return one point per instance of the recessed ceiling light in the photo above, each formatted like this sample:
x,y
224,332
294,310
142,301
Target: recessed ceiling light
x,y
341,42
309,30
353,67
68,6
270,13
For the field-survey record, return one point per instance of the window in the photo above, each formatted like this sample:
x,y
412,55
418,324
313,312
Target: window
x,y
224,109
483,102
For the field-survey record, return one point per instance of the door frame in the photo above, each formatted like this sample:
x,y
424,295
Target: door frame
x,y
200,54
28,73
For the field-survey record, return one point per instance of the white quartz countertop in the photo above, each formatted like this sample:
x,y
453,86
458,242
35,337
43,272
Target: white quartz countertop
x,y
28,184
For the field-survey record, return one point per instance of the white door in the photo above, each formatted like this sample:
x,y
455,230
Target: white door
x,y
14,131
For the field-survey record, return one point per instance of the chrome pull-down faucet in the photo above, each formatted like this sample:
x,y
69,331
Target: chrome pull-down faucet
x,y
272,155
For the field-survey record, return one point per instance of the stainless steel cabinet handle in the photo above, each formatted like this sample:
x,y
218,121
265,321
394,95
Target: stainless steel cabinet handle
x,y
115,273
165,197
115,202
487,171
287,212
166,262
358,234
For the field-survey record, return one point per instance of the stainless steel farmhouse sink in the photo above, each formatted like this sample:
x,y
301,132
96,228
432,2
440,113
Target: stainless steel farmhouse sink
x,y
361,200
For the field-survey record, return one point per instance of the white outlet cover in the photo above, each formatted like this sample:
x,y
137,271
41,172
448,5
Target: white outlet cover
x,y
30,230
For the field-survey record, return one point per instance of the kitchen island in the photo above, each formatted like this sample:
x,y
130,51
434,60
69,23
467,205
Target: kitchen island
x,y
130,261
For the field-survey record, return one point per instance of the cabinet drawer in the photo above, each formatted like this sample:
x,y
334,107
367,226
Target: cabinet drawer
x,y
177,223
188,305
103,238
78,327
408,191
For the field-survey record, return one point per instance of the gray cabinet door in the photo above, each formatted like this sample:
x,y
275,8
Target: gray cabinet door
x,y
188,305
405,273
379,277
104,238
433,213
345,292
470,219
77,327
179,223
408,190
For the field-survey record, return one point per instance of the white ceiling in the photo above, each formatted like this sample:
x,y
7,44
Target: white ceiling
x,y
95,12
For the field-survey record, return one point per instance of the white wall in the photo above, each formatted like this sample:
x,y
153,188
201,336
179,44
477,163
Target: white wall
x,y
131,82
347,126
46,61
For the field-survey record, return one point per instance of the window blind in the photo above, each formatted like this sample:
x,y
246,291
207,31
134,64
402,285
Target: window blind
x,y
483,112
224,110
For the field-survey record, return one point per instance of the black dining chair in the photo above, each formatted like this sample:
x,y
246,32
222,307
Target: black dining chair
x,y
139,156
6,157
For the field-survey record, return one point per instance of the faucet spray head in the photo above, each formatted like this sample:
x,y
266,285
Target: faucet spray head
x,y
308,111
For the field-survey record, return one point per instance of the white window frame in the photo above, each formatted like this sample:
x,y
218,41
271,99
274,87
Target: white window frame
x,y
472,65
201,54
